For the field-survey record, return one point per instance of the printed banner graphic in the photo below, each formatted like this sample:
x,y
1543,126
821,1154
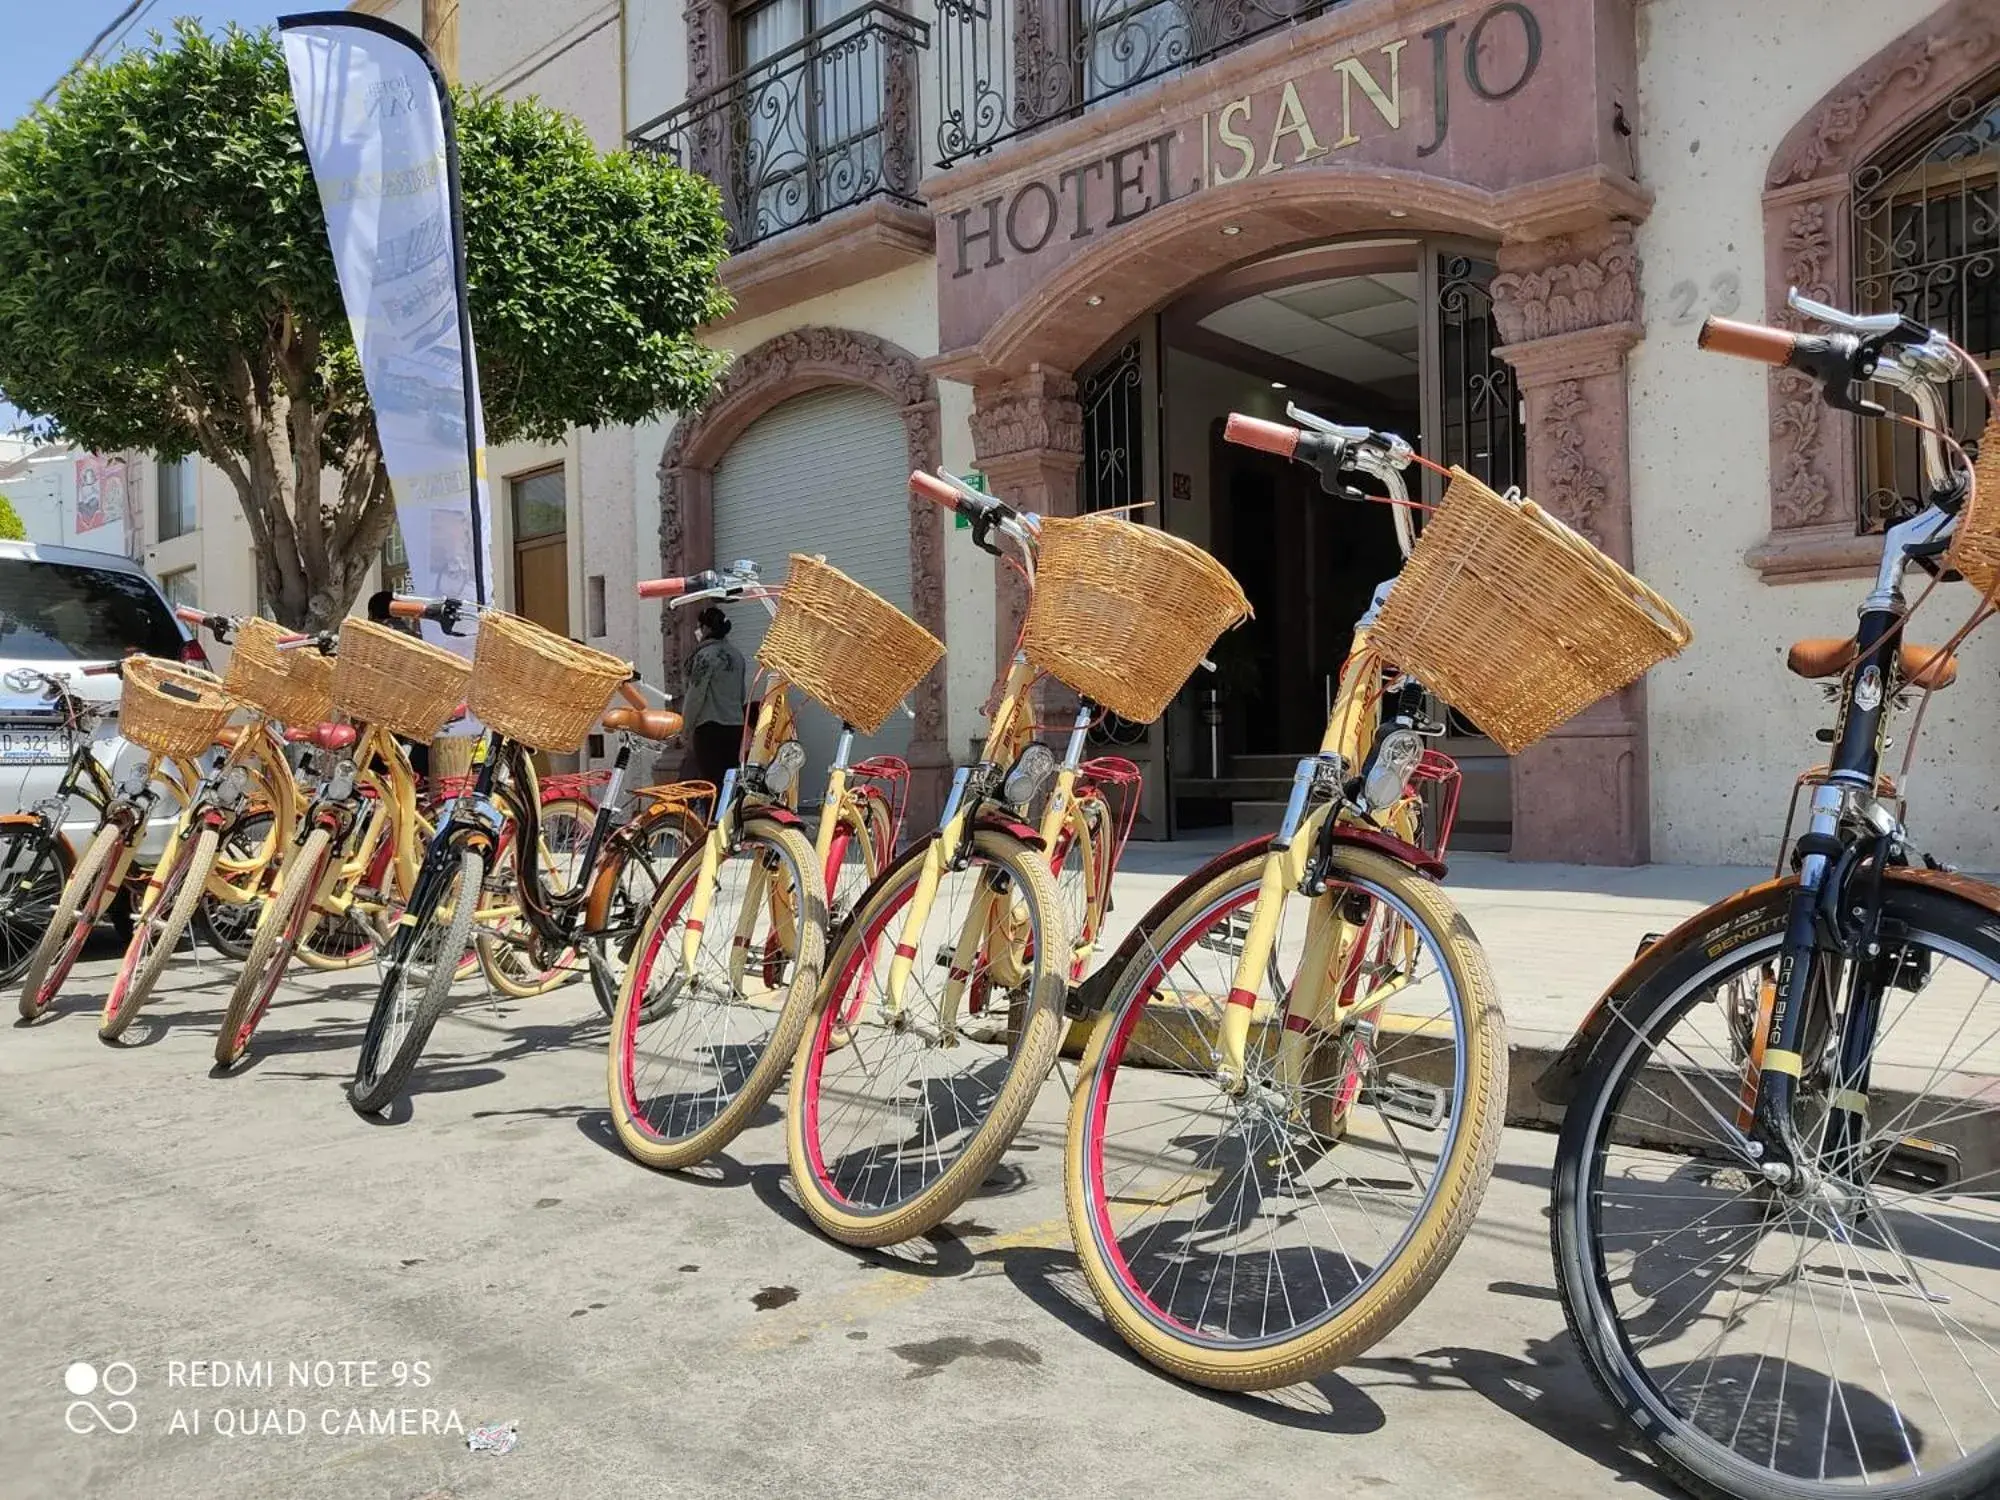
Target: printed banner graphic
x,y
377,128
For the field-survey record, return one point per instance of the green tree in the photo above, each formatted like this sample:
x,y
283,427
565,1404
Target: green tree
x,y
11,529
166,284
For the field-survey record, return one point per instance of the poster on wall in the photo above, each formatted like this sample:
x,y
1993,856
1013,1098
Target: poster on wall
x,y
376,121
100,493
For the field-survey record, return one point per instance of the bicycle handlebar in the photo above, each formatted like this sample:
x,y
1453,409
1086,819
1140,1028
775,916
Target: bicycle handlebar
x,y
1267,437
1334,451
986,513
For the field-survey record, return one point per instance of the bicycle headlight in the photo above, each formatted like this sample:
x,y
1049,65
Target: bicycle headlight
x,y
1031,771
783,768
1389,768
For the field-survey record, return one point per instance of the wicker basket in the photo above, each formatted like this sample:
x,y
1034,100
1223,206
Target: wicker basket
x,y
171,709
1515,620
395,681
1124,613
1975,541
850,650
536,687
295,687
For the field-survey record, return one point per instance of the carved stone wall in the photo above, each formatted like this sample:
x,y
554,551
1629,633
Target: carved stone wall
x,y
1568,307
787,365
1027,434
1808,202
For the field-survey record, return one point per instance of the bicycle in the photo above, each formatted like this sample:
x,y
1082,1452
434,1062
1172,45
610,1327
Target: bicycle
x,y
173,713
1243,1198
941,1009
729,957
533,690
253,775
1772,1222
356,854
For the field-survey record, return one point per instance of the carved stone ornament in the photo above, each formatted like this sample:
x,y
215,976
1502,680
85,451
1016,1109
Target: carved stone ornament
x,y
1035,413
787,365
1575,491
1583,282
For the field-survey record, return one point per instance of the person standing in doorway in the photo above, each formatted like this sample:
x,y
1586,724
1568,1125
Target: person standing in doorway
x,y
713,709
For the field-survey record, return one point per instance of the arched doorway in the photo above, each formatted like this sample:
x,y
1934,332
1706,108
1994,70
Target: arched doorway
x,y
1394,332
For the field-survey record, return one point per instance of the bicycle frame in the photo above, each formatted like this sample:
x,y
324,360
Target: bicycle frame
x,y
378,762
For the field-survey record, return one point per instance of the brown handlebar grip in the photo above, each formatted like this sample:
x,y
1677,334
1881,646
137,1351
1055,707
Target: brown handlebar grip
x,y
632,695
1254,432
933,488
1768,346
187,614
662,588
407,609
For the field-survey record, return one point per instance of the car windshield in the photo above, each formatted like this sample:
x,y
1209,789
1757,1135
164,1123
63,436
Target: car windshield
x,y
52,611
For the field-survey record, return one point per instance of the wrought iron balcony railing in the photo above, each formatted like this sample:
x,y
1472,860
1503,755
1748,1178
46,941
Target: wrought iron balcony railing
x,y
827,123
1006,67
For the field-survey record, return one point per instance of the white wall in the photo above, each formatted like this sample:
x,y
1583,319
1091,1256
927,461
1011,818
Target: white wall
x,y
1721,83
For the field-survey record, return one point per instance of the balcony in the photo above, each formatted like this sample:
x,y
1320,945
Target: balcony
x,y
1007,67
816,150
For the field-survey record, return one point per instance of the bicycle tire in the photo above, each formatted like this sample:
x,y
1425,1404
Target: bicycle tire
x,y
505,958
657,1145
272,948
644,858
78,910
148,951
228,928
374,1087
1030,1049
1747,929
34,887
1341,1329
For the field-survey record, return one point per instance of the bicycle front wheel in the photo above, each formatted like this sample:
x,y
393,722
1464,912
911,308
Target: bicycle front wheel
x,y
696,1052
271,950
1249,1235
85,896
34,867
171,897
898,1115
230,927
416,982
1836,1335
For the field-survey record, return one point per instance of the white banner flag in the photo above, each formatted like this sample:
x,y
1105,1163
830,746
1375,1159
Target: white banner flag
x,y
376,120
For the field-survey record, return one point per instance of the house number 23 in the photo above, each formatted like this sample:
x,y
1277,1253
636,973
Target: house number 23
x,y
1724,295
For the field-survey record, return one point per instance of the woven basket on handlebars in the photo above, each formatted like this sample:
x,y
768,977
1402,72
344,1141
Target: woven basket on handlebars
x,y
538,687
848,649
1515,620
1975,540
169,708
294,687
1123,613
395,681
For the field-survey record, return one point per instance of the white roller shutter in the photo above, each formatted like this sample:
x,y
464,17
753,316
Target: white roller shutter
x,y
827,472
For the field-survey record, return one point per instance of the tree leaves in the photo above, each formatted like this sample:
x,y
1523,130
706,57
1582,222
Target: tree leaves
x,y
164,269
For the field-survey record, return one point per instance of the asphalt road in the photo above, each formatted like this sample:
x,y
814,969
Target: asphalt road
x,y
489,1255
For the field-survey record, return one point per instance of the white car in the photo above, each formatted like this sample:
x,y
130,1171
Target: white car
x,y
63,609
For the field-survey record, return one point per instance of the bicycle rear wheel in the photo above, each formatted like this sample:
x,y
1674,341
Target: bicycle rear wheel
x,y
271,950
695,1053
171,897
34,867
417,978
514,957
83,902
1250,1237
652,849
1840,1334
894,1122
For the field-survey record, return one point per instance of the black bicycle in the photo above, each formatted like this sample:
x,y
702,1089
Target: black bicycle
x,y
1776,1224
586,905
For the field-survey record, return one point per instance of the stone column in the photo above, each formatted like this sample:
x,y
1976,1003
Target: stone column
x,y
1027,436
1567,308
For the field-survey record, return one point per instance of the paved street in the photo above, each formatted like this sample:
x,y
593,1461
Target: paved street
x,y
668,1336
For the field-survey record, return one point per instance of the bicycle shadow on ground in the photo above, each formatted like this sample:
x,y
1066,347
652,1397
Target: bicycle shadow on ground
x,y
594,1125
936,1256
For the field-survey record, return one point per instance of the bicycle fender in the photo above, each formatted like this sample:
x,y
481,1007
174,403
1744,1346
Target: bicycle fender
x,y
1421,860
1716,929
1002,823
777,812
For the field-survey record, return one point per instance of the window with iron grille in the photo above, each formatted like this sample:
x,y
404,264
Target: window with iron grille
x,y
1927,244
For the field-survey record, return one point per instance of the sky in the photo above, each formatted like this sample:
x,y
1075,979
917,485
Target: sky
x,y
44,37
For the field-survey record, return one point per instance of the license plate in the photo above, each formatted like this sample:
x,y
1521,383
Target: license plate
x,y
33,747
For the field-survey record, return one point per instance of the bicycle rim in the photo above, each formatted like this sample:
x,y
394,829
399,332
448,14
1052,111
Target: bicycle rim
x,y
1840,1339
32,873
416,984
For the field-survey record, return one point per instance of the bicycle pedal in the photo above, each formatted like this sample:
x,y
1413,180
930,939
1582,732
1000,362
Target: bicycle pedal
x,y
1399,1097
1919,1166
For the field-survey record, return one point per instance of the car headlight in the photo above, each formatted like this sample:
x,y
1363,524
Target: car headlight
x,y
783,768
1389,768
1030,772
